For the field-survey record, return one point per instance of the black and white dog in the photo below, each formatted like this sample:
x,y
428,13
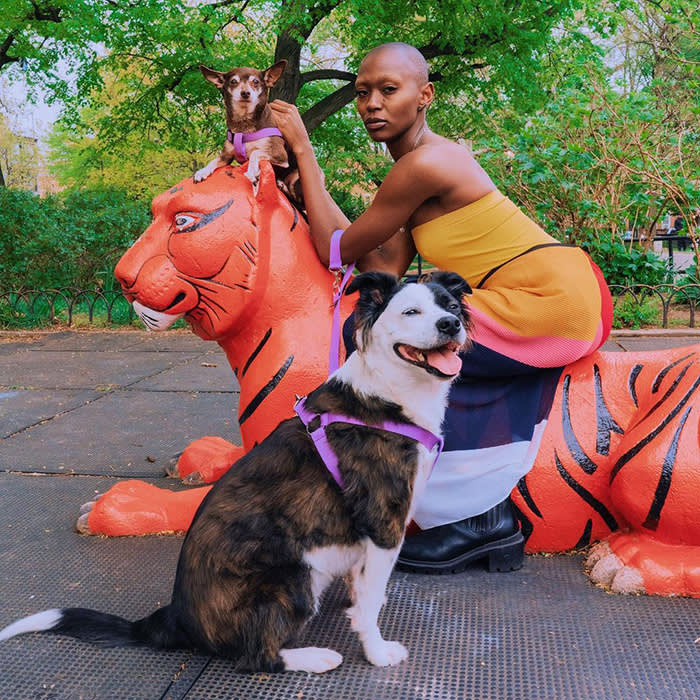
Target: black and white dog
x,y
277,529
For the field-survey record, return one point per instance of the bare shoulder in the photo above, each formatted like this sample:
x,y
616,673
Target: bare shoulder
x,y
453,169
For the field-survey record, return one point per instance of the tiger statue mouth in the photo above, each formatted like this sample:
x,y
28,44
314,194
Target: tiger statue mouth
x,y
155,320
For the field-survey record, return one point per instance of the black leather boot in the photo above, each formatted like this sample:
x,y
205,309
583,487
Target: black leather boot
x,y
494,535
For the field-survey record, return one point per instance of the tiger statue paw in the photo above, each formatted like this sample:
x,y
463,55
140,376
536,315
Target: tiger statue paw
x,y
136,507
206,460
633,562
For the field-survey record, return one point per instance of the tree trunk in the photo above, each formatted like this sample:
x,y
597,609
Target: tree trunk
x,y
287,88
2,178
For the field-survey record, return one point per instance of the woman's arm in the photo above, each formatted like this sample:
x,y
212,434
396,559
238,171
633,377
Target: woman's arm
x,y
324,214
393,256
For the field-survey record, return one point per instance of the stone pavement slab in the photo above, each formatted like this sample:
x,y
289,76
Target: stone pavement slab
x,y
121,433
24,408
42,369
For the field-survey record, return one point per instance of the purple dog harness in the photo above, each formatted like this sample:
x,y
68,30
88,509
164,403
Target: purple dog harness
x,y
239,140
428,439
330,459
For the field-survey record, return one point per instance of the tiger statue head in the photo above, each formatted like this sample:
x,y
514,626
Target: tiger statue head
x,y
240,266
208,254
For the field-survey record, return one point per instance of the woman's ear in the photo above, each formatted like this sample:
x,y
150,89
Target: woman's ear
x,y
427,96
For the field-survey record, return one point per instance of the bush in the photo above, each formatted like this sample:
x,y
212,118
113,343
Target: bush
x,y
626,266
66,240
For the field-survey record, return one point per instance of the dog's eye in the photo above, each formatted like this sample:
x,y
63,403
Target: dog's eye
x,y
454,306
411,312
183,221
255,82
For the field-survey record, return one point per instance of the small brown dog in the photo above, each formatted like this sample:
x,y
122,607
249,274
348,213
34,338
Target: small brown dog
x,y
252,135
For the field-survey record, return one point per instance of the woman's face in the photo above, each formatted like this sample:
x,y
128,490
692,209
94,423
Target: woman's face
x,y
388,95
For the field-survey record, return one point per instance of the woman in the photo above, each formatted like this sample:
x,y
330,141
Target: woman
x,y
536,305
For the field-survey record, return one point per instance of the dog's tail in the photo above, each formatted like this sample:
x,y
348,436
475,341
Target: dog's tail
x,y
160,629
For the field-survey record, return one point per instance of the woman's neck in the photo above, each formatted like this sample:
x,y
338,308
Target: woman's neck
x,y
410,140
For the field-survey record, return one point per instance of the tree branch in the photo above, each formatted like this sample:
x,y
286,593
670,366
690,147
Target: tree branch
x,y
326,74
328,105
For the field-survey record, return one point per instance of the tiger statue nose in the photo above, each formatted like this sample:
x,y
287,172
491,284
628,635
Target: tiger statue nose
x,y
156,284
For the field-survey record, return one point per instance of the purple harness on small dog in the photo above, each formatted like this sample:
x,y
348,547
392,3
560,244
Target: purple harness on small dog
x,y
428,439
330,459
240,139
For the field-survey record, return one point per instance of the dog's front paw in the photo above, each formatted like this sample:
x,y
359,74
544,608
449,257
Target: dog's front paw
x,y
205,172
383,653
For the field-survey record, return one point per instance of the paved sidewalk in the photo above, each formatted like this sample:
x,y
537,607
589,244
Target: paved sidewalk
x,y
81,410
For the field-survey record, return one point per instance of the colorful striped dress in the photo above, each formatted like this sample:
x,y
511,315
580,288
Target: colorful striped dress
x,y
536,306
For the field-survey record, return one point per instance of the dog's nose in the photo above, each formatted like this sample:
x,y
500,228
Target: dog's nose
x,y
245,94
449,325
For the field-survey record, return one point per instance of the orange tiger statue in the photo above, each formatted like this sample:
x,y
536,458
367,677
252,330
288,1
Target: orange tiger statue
x,y
619,459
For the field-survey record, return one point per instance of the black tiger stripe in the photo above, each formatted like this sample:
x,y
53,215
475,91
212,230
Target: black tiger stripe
x,y
652,435
265,391
660,376
256,352
527,497
664,485
668,393
575,449
586,495
585,538
606,424
632,383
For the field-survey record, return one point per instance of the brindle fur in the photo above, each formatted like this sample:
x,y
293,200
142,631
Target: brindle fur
x,y
242,588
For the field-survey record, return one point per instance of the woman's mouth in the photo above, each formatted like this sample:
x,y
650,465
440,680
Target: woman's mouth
x,y
375,124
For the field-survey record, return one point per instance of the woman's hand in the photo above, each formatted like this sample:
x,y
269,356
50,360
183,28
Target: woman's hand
x,y
290,123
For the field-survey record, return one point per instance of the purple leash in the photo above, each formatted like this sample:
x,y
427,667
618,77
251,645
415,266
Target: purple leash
x,y
240,139
330,459
335,264
328,456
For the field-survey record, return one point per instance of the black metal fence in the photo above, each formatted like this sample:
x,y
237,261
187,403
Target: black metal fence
x,y
663,306
67,306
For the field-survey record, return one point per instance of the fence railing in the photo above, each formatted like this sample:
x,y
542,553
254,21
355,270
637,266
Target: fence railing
x,y
69,306
665,304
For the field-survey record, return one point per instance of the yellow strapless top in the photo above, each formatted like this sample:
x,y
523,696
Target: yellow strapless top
x,y
478,237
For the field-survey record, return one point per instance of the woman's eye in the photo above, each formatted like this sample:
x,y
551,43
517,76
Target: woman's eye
x,y
182,221
360,93
389,89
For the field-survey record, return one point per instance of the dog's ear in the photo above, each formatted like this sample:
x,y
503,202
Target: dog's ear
x,y
455,284
376,288
213,76
272,74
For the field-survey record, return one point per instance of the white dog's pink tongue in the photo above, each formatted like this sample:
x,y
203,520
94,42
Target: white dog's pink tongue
x,y
444,360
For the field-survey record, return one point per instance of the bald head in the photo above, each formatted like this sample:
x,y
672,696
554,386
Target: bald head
x,y
405,54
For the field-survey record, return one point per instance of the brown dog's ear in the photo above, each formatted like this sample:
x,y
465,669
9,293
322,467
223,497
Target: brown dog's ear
x,y
213,76
274,73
